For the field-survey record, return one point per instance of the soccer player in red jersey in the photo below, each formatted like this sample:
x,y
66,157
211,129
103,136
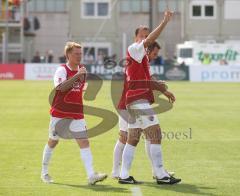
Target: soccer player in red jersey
x,y
69,81
138,102
152,54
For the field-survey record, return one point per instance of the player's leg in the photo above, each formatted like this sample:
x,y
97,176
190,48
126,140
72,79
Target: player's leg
x,y
147,149
134,133
86,155
128,154
153,134
78,127
120,144
48,150
117,154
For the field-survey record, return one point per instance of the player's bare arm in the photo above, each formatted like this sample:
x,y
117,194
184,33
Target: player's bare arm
x,y
162,82
68,84
163,87
156,32
170,96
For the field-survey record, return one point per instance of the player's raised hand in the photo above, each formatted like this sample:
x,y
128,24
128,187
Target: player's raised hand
x,y
167,16
170,96
82,71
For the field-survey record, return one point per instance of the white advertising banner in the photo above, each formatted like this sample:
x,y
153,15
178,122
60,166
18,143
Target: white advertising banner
x,y
216,54
214,73
40,71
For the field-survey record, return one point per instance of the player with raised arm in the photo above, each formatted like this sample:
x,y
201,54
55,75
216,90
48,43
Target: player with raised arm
x,y
69,81
138,100
152,53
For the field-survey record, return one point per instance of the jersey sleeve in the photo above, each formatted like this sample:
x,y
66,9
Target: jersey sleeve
x,y
137,51
60,76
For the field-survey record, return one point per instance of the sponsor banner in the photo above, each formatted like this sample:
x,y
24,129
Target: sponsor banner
x,y
115,72
11,71
214,73
35,71
40,71
168,72
165,72
216,54
176,73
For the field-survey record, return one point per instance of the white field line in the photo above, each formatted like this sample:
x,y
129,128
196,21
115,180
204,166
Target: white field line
x,y
136,191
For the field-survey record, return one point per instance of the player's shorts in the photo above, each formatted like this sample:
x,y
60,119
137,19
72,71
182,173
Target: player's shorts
x,y
141,115
75,126
123,120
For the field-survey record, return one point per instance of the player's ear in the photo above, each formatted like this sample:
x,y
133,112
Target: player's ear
x,y
148,51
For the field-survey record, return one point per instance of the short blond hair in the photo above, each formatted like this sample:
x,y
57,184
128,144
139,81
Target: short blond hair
x,y
69,47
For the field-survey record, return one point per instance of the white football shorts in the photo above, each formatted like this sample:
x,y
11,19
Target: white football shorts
x,y
77,125
141,115
123,120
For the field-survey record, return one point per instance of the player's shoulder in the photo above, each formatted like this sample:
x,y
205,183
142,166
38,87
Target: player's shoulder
x,y
136,45
61,69
133,45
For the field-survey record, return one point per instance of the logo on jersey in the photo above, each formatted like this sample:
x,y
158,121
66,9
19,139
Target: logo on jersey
x,y
151,118
76,86
59,80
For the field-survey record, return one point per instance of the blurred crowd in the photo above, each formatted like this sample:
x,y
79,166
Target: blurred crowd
x,y
100,59
47,58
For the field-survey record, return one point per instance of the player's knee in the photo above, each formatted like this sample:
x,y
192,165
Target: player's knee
x,y
83,143
52,143
155,141
133,141
134,136
154,135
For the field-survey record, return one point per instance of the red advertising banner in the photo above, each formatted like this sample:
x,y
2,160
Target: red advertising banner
x,y
11,71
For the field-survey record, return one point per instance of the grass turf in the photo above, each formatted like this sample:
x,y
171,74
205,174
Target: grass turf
x,y
208,161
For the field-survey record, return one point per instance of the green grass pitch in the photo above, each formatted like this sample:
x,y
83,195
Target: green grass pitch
x,y
208,162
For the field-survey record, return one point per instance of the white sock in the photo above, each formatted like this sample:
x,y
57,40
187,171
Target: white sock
x,y
117,158
47,153
156,154
147,149
86,156
127,158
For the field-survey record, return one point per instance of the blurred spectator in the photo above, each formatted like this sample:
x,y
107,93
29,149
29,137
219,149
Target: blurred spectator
x,y
88,58
42,59
158,61
21,61
206,59
100,58
49,56
183,64
36,58
223,62
62,59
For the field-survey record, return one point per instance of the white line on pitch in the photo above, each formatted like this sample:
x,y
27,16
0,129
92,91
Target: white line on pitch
x,y
136,191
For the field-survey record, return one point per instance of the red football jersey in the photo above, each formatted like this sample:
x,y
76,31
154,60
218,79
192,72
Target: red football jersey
x,y
69,104
136,71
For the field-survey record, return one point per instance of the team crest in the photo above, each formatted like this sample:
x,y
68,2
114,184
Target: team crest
x,y
151,118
